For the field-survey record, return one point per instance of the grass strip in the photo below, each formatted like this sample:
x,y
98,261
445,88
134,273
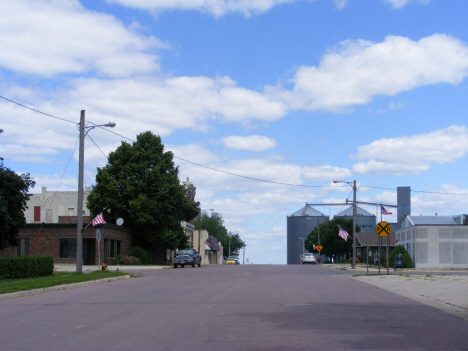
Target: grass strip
x,y
58,278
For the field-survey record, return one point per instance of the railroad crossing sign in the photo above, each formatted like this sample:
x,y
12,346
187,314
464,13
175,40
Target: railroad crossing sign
x,y
319,248
383,228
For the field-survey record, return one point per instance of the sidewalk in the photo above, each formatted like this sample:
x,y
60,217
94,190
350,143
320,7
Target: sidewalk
x,y
86,269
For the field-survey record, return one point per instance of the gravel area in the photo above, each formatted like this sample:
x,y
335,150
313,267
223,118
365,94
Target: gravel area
x,y
445,292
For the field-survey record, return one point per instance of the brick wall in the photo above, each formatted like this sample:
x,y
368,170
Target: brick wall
x,y
48,240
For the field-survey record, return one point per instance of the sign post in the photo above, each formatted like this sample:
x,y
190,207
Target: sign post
x,y
98,238
384,229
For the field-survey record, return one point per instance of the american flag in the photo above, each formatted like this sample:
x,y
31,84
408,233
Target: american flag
x,y
384,211
99,219
343,233
313,246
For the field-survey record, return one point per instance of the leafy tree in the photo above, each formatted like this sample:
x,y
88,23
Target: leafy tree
x,y
13,197
329,239
214,224
140,184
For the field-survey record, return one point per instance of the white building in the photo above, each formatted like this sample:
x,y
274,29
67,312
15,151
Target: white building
x,y
49,205
434,242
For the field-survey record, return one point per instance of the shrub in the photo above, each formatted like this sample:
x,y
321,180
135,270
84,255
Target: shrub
x,y
127,260
399,249
142,254
16,267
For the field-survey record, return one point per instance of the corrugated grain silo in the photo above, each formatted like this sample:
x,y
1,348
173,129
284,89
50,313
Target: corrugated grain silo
x,y
299,225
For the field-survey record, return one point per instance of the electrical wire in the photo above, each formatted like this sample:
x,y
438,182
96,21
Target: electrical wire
x,y
97,146
32,109
226,172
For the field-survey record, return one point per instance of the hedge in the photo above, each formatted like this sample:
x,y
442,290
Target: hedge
x,y
17,267
142,254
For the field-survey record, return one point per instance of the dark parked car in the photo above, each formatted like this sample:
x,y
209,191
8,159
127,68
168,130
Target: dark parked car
x,y
187,256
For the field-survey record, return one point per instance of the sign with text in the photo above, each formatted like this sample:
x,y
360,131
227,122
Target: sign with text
x,y
383,228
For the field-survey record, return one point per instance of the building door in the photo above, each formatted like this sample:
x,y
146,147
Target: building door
x,y
89,252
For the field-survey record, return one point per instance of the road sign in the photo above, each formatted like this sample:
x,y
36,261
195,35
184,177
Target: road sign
x,y
319,248
383,228
98,235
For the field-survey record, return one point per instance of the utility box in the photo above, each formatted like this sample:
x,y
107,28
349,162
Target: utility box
x,y
399,261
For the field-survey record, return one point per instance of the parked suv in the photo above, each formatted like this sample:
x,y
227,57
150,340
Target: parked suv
x,y
187,256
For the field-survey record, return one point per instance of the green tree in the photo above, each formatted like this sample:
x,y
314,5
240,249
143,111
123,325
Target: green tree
x,y
140,184
13,197
329,239
214,224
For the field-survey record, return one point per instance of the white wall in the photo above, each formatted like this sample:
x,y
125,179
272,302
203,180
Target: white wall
x,y
436,247
54,204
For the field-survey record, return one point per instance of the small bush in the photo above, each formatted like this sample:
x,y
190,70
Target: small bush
x,y
142,254
16,267
399,249
127,260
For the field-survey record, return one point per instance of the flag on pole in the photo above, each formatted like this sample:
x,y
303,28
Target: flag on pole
x,y
343,233
313,246
99,219
384,211
236,252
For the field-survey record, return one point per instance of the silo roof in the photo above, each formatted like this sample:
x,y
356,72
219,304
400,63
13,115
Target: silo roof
x,y
308,211
349,212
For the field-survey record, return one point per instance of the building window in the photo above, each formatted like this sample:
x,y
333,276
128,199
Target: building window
x,y
112,248
71,211
67,247
37,213
22,247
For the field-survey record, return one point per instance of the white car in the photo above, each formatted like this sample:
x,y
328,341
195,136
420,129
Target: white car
x,y
308,258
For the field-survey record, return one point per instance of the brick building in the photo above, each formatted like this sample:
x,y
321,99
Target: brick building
x,y
59,241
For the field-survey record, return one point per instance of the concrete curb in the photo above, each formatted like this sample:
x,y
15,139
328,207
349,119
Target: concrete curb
x,y
58,287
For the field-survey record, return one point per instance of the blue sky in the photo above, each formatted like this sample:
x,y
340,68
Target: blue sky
x,y
297,92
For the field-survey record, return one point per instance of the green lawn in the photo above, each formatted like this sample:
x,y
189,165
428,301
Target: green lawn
x,y
58,278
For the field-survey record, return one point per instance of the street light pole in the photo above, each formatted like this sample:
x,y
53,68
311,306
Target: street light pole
x,y
353,185
79,215
354,224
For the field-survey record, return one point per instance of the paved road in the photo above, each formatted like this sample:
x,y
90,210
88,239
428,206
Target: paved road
x,y
251,307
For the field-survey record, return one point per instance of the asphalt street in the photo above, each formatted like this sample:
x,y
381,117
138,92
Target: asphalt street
x,y
246,307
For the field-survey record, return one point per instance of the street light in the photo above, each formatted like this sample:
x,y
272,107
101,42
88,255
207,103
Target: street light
x,y
199,226
353,185
79,221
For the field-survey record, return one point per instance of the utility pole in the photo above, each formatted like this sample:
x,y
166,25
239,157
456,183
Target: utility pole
x,y
354,224
79,214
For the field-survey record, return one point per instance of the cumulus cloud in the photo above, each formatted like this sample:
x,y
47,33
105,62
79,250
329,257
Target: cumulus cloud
x,y
414,154
358,70
49,37
254,143
215,7
400,3
340,4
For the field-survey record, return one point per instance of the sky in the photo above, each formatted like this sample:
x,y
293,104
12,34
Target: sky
x,y
263,102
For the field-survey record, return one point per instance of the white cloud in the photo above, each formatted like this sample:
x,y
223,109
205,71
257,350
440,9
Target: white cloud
x,y
441,201
415,154
324,173
49,37
400,3
254,143
216,7
358,70
340,4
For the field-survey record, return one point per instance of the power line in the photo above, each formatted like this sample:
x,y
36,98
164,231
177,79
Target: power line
x,y
32,109
226,172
